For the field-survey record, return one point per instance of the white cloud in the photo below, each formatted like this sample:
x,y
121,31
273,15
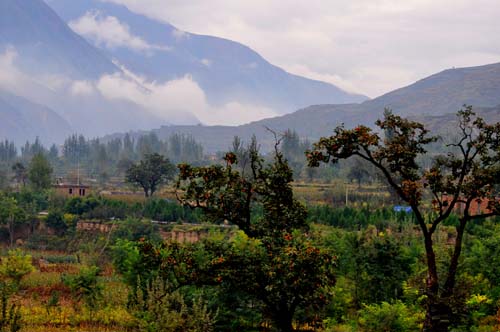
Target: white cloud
x,y
82,88
236,113
336,80
110,32
169,100
172,101
373,46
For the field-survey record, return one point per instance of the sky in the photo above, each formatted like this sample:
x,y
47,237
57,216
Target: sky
x,y
363,46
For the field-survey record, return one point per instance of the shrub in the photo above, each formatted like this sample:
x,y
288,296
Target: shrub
x,y
10,316
15,266
85,286
162,310
386,317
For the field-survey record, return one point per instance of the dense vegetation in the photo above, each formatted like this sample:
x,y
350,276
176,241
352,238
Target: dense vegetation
x,y
236,245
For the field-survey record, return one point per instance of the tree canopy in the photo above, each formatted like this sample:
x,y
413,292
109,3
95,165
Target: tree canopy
x,y
40,172
456,182
150,173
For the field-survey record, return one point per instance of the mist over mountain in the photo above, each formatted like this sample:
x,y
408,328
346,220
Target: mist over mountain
x,y
45,62
112,70
22,120
121,71
47,44
433,100
232,77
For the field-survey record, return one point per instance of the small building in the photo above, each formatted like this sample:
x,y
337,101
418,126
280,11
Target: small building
x,y
72,190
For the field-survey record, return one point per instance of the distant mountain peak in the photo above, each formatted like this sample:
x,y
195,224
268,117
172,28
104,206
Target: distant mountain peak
x,y
226,71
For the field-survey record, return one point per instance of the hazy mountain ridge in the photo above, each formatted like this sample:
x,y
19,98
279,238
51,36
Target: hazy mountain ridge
x,y
433,100
168,77
23,120
45,62
47,43
445,92
227,71
91,98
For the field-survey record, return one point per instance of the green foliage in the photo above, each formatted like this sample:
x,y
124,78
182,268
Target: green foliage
x,y
4,182
79,205
10,214
381,267
133,229
162,309
386,317
10,314
8,151
357,218
20,173
15,266
468,173
55,220
164,210
151,172
40,172
85,286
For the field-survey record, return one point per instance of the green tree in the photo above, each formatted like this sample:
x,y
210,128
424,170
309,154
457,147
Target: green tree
x,y
274,262
55,220
3,179
85,286
10,214
360,171
10,313
15,266
150,173
40,172
162,309
381,265
468,174
20,173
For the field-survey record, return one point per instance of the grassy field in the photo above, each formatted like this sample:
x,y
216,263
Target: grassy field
x,y
48,304
336,193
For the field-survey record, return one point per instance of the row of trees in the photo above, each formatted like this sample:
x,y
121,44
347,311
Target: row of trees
x,y
97,159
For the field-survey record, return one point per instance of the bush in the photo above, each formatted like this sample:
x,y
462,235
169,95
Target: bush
x,y
55,220
162,310
15,266
10,316
386,317
85,286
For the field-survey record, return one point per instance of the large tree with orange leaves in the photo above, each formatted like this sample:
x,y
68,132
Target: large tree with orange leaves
x,y
469,173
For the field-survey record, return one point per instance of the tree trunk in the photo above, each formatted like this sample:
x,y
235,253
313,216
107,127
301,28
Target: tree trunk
x,y
449,286
11,231
438,313
283,321
438,316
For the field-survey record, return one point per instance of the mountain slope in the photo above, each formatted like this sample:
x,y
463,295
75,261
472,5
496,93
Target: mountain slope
x,y
226,71
433,100
47,43
23,120
445,92
45,62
